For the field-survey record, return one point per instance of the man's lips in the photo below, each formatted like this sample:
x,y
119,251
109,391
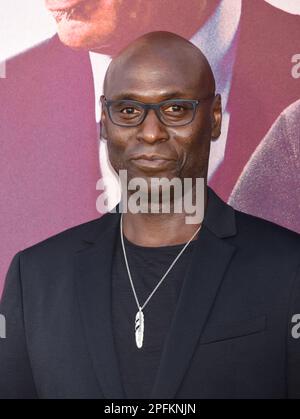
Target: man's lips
x,y
150,157
71,10
151,161
62,5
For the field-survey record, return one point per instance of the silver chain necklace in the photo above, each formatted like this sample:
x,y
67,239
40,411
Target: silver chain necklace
x,y
139,318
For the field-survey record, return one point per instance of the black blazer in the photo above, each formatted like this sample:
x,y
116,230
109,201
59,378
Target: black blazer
x,y
230,336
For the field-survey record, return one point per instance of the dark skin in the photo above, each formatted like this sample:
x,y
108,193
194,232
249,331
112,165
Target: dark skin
x,y
156,67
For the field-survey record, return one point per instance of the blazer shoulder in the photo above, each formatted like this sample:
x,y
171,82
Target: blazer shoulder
x,y
265,231
71,238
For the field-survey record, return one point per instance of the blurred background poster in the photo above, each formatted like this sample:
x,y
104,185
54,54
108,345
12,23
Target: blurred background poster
x,y
53,58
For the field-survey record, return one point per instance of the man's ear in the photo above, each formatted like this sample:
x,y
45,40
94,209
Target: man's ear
x,y
216,117
102,126
103,119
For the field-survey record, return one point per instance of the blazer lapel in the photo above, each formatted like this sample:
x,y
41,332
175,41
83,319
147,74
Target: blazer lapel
x,y
93,277
210,259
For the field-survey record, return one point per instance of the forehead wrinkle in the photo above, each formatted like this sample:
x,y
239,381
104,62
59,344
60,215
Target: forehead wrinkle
x,y
147,79
159,95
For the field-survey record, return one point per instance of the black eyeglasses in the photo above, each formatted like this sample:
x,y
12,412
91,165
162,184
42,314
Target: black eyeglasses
x,y
172,112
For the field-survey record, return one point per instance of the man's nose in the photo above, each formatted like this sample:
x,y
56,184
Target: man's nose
x,y
152,129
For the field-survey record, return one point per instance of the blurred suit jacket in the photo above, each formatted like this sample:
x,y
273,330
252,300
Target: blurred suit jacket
x,y
262,86
230,335
49,146
273,172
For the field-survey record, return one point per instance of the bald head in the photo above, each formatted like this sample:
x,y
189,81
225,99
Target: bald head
x,y
158,53
158,67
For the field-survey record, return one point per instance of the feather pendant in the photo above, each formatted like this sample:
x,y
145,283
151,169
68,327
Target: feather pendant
x,y
139,328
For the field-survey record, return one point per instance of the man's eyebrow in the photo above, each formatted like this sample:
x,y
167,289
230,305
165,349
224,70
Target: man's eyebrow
x,y
136,96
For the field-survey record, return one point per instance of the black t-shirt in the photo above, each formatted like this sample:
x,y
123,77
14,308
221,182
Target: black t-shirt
x,y
147,265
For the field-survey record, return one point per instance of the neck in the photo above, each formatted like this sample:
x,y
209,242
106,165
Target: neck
x,y
151,229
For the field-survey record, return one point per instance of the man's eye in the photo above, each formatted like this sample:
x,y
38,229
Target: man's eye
x,y
174,108
127,110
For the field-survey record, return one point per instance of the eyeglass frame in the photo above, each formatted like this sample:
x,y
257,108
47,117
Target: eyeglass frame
x,y
156,108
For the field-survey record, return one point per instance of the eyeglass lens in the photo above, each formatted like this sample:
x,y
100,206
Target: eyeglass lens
x,y
172,112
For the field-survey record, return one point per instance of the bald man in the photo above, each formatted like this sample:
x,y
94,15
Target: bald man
x,y
141,303
50,102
